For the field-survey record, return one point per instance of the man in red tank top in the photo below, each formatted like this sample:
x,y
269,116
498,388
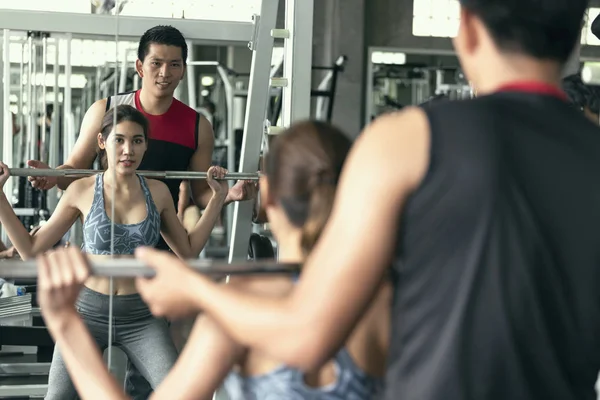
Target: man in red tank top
x,y
174,127
180,138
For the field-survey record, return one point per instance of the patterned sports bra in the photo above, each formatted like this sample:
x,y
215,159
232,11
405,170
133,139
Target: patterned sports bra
x,y
127,237
287,383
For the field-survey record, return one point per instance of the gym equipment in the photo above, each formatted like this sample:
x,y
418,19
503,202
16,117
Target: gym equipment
x,y
129,267
260,248
77,173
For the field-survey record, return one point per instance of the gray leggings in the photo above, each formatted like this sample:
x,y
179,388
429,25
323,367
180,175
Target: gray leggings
x,y
143,338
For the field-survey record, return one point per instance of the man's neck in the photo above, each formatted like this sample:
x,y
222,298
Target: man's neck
x,y
509,71
155,105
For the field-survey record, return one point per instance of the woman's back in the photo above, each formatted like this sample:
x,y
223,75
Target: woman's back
x,y
356,371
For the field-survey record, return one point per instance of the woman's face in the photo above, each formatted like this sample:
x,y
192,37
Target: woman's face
x,y
125,147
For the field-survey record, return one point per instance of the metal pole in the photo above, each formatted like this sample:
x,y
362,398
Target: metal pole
x,y
230,141
34,151
369,89
31,119
43,149
74,173
191,78
6,114
67,133
297,61
98,82
123,76
53,158
21,141
123,267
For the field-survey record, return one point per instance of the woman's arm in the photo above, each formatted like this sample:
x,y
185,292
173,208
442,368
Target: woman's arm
x,y
61,275
209,354
190,245
59,223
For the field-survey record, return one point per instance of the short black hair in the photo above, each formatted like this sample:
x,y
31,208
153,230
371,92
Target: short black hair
x,y
542,29
582,95
162,34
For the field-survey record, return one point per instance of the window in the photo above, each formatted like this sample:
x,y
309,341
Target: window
x,y
73,6
435,18
216,10
440,18
587,37
84,53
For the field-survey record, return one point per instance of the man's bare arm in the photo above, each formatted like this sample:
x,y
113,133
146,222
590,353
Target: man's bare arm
x,y
201,162
84,152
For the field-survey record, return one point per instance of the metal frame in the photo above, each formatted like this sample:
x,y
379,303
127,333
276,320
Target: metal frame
x,y
97,26
297,62
5,115
254,123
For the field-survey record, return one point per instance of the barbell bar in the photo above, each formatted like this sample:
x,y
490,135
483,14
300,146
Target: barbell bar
x,y
131,268
78,173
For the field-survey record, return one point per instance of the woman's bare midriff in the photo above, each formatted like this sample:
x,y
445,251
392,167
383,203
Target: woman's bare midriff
x,y
121,286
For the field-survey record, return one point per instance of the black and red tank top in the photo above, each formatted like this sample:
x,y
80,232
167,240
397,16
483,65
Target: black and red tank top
x,y
173,137
497,271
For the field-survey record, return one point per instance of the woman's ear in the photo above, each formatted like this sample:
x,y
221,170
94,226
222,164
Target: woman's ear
x,y
101,143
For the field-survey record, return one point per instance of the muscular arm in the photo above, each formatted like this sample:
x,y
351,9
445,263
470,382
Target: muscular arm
x,y
201,161
345,269
84,151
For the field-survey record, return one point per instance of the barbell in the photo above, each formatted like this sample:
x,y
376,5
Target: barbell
x,y
78,173
131,267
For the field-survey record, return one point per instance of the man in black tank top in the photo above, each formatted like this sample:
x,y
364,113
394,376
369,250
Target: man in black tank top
x,y
488,211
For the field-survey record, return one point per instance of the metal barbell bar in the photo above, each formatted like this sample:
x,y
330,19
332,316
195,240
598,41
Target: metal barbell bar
x,y
78,173
130,268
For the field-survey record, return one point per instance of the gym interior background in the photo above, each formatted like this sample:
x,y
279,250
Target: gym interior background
x,y
362,58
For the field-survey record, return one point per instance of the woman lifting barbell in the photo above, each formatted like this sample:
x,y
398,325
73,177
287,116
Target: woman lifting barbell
x,y
143,210
298,188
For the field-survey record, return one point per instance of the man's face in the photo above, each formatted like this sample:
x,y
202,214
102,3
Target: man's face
x,y
162,69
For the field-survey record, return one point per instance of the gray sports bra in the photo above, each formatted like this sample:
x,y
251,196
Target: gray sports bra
x,y
288,383
127,237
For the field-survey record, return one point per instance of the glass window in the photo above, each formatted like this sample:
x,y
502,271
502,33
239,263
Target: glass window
x,y
73,6
435,18
587,37
440,18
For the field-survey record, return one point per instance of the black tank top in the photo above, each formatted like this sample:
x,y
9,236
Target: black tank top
x,y
497,272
